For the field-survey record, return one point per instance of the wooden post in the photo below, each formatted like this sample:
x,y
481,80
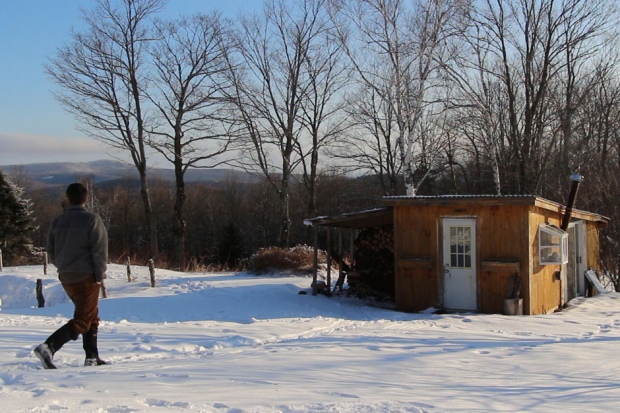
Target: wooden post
x,y
152,272
329,261
340,281
315,236
128,269
104,291
45,263
40,298
352,248
0,260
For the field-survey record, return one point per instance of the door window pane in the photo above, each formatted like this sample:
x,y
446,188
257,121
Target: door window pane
x,y
460,247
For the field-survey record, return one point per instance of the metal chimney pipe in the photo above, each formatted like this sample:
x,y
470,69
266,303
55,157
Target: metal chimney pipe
x,y
576,180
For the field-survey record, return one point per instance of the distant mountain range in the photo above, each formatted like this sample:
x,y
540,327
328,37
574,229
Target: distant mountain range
x,y
109,172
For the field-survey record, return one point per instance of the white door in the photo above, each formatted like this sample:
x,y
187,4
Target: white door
x,y
459,252
577,261
582,257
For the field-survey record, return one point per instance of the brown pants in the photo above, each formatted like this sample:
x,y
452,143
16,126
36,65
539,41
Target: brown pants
x,y
85,297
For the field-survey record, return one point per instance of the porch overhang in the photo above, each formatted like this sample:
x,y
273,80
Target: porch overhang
x,y
373,218
356,220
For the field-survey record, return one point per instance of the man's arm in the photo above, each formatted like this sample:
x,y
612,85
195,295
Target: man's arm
x,y
49,245
99,248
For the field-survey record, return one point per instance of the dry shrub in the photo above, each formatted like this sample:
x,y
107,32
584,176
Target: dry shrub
x,y
298,259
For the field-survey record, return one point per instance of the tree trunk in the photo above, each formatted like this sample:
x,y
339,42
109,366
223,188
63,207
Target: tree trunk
x,y
148,214
285,223
179,225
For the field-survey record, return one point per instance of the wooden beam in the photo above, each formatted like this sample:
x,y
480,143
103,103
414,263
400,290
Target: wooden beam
x,y
315,236
352,248
329,260
340,262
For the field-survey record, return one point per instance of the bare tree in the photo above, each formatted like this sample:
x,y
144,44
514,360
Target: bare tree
x,y
368,144
395,51
269,91
525,52
190,61
599,125
19,175
584,33
478,106
102,75
322,104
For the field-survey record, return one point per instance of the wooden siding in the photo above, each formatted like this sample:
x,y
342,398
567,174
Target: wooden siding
x,y
415,236
545,290
501,235
506,244
494,277
593,242
501,231
415,281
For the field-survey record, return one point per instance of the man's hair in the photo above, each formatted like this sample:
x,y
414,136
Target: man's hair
x,y
77,194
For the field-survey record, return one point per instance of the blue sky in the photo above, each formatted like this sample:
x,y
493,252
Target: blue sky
x,y
33,126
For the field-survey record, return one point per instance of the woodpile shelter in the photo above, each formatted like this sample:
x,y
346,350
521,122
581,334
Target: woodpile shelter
x,y
481,253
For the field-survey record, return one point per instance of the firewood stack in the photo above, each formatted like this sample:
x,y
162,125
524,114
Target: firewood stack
x,y
373,240
374,261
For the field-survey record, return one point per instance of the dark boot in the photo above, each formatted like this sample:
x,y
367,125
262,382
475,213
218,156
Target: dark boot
x,y
45,352
89,341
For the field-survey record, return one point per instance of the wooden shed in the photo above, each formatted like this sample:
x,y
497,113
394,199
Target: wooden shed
x,y
463,253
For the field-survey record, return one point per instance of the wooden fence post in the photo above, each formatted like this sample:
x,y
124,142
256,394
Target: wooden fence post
x,y
315,262
40,298
0,260
128,269
152,272
341,273
329,262
45,263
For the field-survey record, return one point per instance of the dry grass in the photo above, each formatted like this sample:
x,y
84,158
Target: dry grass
x,y
298,259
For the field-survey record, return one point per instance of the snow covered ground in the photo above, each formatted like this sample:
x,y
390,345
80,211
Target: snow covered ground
x,y
237,343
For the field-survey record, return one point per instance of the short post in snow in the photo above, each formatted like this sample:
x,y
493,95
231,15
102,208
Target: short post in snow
x,y
128,269
40,298
152,272
45,263
0,260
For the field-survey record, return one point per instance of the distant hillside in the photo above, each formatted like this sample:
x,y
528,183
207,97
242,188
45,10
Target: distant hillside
x,y
109,172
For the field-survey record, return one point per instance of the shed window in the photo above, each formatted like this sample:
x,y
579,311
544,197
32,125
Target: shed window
x,y
552,245
460,247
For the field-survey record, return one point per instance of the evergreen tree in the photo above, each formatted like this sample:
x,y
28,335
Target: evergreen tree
x,y
16,222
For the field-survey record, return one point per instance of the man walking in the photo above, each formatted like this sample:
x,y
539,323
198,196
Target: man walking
x,y
77,244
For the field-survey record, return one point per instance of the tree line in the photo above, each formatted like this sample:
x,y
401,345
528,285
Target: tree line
x,y
422,96
226,222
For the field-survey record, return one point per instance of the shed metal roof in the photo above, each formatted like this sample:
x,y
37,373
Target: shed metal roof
x,y
383,216
493,200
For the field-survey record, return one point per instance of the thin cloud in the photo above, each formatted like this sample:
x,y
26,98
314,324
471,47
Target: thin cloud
x,y
19,148
25,143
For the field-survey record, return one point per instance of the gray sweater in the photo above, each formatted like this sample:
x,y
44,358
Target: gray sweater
x,y
77,244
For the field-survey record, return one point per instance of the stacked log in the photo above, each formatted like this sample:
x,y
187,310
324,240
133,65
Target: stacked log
x,y
374,261
375,239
